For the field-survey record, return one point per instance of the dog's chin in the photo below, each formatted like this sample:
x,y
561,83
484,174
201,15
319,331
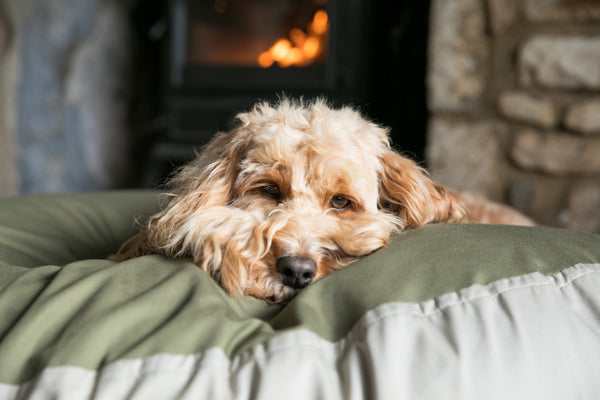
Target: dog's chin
x,y
276,293
284,298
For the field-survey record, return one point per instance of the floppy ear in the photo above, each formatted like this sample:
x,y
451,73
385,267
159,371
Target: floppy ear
x,y
203,183
406,190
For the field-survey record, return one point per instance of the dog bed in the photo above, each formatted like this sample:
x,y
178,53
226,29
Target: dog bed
x,y
444,311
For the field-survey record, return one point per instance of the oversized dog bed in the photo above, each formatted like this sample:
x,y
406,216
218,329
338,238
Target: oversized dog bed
x,y
444,311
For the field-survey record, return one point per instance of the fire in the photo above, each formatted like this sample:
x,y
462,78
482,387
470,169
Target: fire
x,y
302,48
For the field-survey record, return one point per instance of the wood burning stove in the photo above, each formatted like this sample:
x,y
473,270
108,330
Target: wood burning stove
x,y
221,56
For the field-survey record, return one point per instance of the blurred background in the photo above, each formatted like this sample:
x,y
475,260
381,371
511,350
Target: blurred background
x,y
500,97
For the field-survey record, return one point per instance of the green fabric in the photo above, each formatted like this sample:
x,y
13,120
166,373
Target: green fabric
x,y
57,229
63,303
421,264
95,311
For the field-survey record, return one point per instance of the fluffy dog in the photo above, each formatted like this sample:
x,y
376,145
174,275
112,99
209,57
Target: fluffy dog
x,y
294,193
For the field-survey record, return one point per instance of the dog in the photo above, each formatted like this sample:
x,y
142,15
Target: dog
x,y
295,192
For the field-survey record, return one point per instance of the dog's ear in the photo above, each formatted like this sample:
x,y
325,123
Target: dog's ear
x,y
207,181
406,190
203,183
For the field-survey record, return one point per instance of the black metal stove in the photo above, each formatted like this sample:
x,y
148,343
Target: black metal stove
x,y
222,56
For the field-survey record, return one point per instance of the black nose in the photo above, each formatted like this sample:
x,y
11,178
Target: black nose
x,y
296,272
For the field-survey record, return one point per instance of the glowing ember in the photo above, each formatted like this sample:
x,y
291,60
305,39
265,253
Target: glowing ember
x,y
220,6
319,24
302,48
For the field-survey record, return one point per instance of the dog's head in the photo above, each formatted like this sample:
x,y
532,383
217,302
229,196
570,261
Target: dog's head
x,y
292,194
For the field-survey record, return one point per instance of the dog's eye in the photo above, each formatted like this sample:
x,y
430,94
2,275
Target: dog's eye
x,y
272,191
339,203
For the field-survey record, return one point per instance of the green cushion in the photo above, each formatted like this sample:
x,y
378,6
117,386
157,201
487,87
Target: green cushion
x,y
57,229
63,303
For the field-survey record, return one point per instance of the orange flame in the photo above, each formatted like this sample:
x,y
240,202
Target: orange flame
x,y
319,23
302,48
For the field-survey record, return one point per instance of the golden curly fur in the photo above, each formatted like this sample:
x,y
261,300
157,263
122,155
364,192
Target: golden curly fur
x,y
292,194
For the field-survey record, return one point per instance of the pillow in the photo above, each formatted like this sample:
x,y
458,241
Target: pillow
x,y
57,229
458,311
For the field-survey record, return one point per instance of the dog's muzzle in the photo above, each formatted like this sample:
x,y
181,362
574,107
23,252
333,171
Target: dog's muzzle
x,y
296,272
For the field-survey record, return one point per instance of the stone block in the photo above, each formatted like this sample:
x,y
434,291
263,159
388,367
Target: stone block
x,y
458,54
8,74
582,212
525,107
73,94
561,62
562,10
502,14
584,117
97,95
556,153
539,196
467,155
4,30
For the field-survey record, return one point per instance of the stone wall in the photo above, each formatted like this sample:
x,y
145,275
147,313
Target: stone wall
x,y
64,95
514,97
